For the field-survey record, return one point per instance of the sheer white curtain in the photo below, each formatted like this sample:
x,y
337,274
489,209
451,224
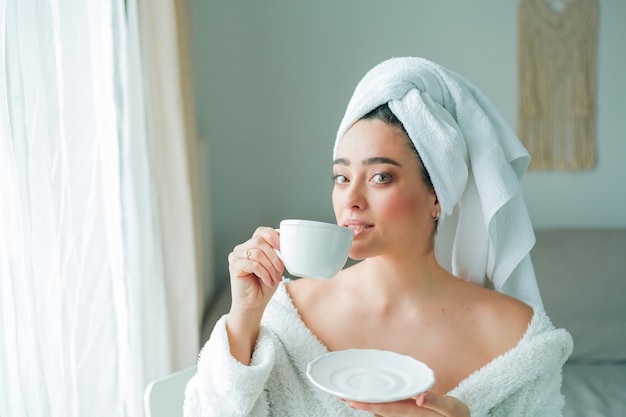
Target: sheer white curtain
x,y
84,322
171,128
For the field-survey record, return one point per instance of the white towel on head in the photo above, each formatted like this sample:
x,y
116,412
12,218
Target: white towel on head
x,y
475,162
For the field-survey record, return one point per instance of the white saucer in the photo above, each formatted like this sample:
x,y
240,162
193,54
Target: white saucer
x,y
369,375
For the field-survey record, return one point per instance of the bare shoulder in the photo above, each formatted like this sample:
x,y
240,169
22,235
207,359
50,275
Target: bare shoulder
x,y
499,319
308,292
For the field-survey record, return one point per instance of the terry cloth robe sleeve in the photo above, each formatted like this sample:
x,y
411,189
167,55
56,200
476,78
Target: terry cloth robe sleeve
x,y
222,385
525,381
275,383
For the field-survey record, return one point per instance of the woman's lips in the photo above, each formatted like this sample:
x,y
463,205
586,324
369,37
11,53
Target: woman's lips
x,y
359,229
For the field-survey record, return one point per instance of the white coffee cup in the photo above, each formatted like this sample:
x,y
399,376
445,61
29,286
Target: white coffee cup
x,y
314,249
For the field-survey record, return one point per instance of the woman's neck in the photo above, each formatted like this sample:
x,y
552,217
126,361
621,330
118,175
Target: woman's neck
x,y
391,279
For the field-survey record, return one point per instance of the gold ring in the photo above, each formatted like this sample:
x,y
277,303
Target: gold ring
x,y
248,254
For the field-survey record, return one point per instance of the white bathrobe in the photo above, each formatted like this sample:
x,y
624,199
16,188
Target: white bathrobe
x,y
526,381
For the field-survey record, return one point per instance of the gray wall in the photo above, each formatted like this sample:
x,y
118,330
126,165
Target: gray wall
x,y
273,79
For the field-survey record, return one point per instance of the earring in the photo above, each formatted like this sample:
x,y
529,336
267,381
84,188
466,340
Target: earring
x,y
437,216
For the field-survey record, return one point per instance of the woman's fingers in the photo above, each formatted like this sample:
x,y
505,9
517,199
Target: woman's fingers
x,y
445,405
268,241
249,271
247,268
257,258
392,409
424,405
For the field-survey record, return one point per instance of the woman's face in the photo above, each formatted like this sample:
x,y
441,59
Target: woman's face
x,y
379,192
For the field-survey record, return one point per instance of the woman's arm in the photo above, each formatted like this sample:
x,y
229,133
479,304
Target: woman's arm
x,y
236,361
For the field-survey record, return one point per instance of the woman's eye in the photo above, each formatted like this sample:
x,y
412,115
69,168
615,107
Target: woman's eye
x,y
340,179
381,178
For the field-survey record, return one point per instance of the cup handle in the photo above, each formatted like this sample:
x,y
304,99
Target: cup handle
x,y
280,255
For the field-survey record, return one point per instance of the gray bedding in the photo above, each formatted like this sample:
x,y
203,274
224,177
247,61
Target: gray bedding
x,y
582,276
594,390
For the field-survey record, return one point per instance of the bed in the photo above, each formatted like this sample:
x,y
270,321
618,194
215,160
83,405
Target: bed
x,y
582,277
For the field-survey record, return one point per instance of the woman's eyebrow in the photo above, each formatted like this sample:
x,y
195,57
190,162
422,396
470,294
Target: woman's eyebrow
x,y
380,160
369,161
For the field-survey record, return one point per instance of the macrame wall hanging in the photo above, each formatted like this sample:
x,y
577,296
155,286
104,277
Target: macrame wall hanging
x,y
557,54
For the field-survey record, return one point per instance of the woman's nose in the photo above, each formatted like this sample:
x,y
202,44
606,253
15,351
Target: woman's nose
x,y
354,197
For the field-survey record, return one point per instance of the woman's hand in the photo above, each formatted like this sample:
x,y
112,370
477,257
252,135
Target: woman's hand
x,y
424,405
255,272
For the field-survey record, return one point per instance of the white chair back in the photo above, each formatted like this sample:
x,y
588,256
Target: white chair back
x,y
164,397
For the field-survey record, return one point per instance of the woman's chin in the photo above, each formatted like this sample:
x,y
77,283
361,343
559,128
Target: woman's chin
x,y
358,252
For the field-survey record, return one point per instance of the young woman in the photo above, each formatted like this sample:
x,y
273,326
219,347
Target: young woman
x,y
426,175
